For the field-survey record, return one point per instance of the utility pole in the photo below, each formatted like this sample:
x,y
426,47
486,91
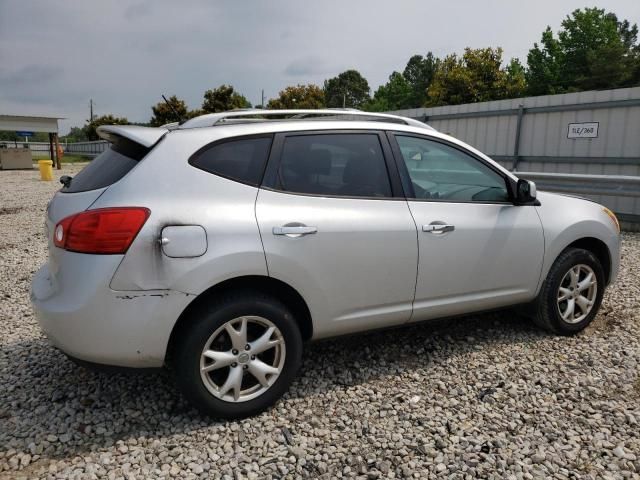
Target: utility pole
x,y
344,100
262,103
90,110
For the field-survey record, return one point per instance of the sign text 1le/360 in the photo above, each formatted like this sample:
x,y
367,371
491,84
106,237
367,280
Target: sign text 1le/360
x,y
583,130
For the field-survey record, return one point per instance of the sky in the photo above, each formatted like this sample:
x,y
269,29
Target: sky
x,y
56,55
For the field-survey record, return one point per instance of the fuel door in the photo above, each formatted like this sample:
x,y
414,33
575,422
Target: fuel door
x,y
183,241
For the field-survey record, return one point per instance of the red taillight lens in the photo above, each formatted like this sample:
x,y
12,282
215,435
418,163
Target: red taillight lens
x,y
100,231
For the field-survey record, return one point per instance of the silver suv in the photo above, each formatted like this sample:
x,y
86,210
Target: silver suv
x,y
219,246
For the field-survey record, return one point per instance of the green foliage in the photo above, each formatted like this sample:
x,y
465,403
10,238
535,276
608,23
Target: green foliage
x,y
349,89
593,50
545,62
76,134
299,96
477,76
91,127
8,136
419,73
222,99
163,113
396,94
513,83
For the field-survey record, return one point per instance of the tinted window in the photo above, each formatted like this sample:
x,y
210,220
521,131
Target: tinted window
x,y
108,167
350,165
242,160
441,172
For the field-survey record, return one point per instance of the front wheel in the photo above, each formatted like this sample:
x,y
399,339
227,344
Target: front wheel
x,y
237,355
571,294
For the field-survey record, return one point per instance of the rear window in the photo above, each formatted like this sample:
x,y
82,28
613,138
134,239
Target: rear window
x,y
242,160
108,167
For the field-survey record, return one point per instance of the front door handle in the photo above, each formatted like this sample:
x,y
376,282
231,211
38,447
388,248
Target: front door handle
x,y
296,231
438,228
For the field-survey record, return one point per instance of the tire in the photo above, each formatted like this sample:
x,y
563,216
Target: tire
x,y
205,390
549,306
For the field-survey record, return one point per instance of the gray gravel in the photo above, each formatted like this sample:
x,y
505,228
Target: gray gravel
x,y
487,396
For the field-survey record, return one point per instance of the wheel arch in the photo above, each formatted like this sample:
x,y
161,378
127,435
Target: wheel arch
x,y
259,283
599,249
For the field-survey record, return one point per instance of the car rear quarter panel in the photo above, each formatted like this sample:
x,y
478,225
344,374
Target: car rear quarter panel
x,y
567,219
179,194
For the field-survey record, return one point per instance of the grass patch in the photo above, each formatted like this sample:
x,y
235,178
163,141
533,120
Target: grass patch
x,y
75,159
65,159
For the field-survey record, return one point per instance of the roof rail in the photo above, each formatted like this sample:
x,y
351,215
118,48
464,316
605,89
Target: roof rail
x,y
258,114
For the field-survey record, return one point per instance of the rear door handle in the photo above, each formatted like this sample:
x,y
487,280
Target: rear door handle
x,y
438,228
297,231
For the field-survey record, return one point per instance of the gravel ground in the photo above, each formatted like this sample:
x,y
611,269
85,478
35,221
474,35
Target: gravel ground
x,y
487,396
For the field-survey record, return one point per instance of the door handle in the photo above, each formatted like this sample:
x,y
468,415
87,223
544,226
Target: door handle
x,y
438,228
296,231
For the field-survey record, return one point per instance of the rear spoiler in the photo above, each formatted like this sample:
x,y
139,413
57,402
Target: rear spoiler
x,y
143,136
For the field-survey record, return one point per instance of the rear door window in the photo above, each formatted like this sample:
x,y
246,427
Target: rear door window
x,y
343,165
242,160
108,167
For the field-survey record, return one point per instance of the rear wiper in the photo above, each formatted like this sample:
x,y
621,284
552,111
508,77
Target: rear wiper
x,y
65,180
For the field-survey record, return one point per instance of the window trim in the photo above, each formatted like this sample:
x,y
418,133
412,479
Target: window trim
x,y
270,180
195,155
406,178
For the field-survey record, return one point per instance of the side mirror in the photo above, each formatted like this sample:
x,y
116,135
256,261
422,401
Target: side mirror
x,y
525,191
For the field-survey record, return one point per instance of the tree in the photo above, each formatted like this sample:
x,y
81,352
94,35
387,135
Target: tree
x,y
9,136
513,83
222,99
419,74
91,127
77,134
396,94
299,96
593,50
544,73
349,89
475,77
163,113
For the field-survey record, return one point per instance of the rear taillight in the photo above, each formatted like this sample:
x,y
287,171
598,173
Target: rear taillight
x,y
100,231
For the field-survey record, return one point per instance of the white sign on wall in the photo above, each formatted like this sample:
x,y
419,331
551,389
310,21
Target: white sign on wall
x,y
583,130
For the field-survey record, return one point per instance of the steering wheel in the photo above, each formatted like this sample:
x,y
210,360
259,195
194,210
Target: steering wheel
x,y
419,191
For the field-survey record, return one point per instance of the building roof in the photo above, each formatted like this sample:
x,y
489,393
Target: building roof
x,y
29,123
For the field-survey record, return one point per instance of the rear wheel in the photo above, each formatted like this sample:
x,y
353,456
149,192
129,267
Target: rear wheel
x,y
238,355
571,294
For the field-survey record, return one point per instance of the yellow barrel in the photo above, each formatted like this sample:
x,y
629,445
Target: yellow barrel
x,y
46,170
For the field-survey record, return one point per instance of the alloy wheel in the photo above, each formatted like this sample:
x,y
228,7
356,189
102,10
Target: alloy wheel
x,y
242,359
577,293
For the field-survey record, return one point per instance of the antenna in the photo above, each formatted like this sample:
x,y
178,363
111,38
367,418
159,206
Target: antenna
x,y
175,112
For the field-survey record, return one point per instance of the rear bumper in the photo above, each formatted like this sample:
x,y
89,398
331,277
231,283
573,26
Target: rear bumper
x,y
87,320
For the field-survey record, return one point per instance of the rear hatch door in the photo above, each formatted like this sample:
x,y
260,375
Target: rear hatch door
x,y
128,146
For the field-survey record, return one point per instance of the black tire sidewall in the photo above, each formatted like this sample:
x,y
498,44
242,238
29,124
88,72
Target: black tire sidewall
x,y
203,322
559,269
